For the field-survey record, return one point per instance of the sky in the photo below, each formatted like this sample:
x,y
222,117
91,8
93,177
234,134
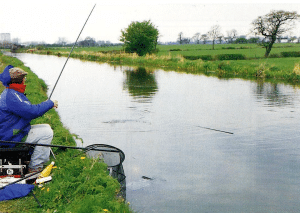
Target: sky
x,y
46,21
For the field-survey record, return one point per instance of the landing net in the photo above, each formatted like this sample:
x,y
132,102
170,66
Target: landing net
x,y
114,158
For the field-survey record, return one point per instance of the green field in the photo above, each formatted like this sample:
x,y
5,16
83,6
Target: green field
x,y
225,61
249,50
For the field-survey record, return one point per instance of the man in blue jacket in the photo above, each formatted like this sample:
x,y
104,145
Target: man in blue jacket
x,y
16,113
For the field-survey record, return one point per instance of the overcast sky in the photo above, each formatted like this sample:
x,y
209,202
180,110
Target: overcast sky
x,y
36,20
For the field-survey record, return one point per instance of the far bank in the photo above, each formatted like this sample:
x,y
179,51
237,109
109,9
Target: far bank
x,y
244,61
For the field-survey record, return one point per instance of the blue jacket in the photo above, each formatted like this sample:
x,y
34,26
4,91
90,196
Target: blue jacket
x,y
16,113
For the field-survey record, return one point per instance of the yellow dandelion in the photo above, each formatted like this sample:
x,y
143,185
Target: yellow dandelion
x,y
82,158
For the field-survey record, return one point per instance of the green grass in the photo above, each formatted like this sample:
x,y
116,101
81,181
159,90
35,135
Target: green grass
x,y
179,58
79,49
78,185
249,50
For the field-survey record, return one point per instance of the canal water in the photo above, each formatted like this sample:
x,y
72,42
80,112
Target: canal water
x,y
192,143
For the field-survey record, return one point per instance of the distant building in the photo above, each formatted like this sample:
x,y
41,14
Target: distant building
x,y
5,37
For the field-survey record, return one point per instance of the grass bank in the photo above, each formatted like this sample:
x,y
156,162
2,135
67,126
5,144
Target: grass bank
x,y
78,185
226,61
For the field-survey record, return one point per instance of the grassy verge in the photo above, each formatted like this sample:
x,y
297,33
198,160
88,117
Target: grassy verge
x,y
78,185
200,59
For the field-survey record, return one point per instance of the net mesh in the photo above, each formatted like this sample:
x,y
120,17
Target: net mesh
x,y
114,158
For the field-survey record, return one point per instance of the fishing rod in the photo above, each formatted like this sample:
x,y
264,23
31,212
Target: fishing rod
x,y
217,130
71,52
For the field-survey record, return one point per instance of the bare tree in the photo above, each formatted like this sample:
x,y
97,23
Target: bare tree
x,y
62,41
272,25
182,40
232,34
220,38
214,33
180,37
196,38
204,38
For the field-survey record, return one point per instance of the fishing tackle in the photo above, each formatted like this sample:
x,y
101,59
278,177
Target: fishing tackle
x,y
20,179
70,53
114,160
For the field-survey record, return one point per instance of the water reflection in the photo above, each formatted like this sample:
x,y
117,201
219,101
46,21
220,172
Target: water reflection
x,y
140,83
273,94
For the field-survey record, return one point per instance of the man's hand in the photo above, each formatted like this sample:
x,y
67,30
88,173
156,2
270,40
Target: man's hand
x,y
55,104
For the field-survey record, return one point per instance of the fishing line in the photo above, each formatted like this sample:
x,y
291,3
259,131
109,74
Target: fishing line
x,y
217,130
71,52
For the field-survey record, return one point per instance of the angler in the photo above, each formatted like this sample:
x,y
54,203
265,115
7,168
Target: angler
x,y
16,113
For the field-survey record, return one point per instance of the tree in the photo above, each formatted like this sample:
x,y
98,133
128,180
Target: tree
x,y
62,41
140,37
87,42
204,38
253,40
180,37
182,40
185,41
273,25
232,34
241,41
214,34
196,38
220,39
